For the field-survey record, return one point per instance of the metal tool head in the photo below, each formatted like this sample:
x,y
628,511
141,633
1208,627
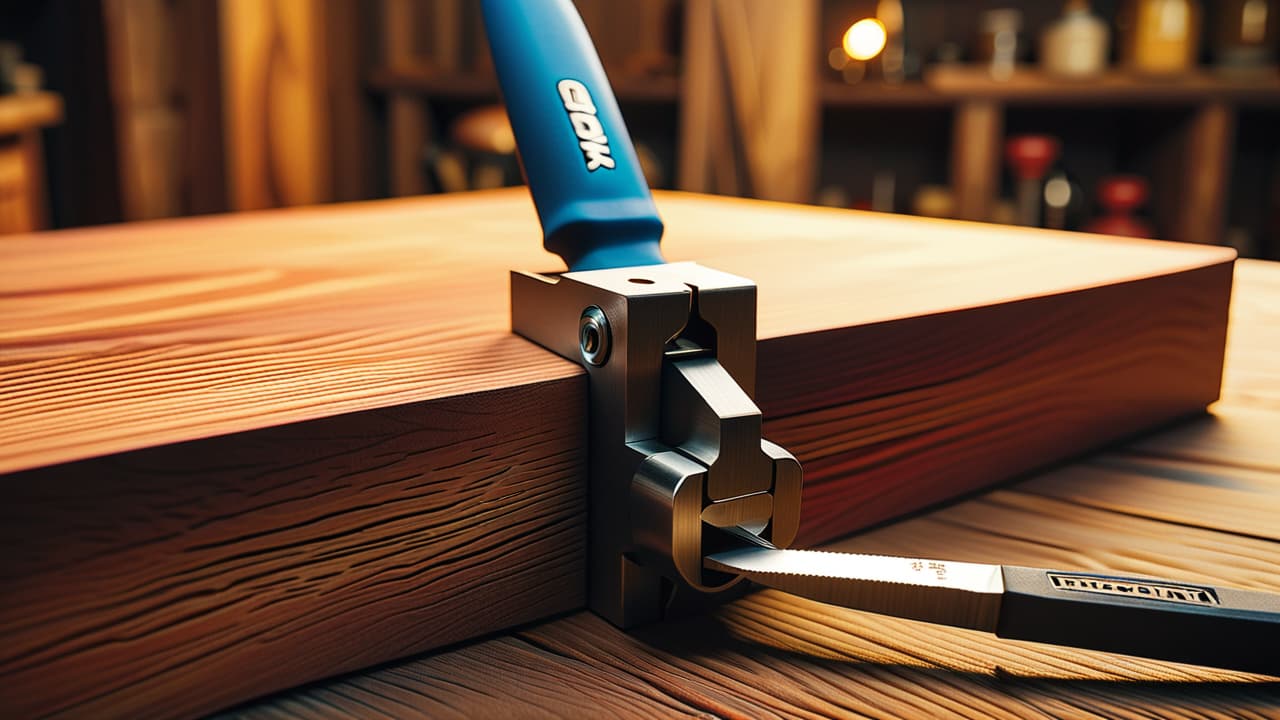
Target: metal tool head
x,y
676,456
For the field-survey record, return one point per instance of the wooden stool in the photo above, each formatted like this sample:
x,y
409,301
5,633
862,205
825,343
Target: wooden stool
x,y
22,200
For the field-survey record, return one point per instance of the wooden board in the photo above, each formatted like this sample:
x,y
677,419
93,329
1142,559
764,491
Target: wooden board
x,y
770,655
252,451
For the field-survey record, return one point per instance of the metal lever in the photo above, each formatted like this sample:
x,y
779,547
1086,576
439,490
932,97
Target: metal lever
x,y
1164,619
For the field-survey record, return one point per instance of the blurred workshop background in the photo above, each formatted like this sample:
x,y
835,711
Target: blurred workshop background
x,y
1131,117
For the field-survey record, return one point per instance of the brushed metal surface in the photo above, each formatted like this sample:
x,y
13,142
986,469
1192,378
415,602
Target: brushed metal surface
x,y
959,594
674,430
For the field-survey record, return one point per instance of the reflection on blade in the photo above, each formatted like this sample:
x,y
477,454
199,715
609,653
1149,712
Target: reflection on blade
x,y
950,593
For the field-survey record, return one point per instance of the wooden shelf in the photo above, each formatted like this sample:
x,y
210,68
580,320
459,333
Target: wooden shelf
x,y
947,86
482,86
879,94
1115,88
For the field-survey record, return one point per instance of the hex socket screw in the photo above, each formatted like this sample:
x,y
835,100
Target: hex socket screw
x,y
594,337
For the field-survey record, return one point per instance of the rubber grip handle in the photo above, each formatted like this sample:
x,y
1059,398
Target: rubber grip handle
x,y
595,207
1169,620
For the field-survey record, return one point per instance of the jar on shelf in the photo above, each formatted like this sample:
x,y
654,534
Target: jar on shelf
x,y
1160,37
1245,33
1075,45
999,41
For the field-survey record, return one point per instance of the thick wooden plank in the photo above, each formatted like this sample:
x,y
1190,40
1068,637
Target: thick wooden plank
x,y
181,579
226,332
936,405
882,335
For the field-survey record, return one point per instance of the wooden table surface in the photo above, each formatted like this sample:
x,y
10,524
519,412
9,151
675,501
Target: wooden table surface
x,y
1198,501
245,453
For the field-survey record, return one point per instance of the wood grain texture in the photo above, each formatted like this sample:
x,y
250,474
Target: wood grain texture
x,y
992,396
145,363
749,99
1253,379
182,579
771,655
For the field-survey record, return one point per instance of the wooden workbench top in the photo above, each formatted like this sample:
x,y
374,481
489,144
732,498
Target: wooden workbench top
x,y
1199,501
244,453
392,302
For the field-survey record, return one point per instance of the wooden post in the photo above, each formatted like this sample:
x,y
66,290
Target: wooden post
x,y
142,54
756,58
276,103
975,157
1206,166
408,125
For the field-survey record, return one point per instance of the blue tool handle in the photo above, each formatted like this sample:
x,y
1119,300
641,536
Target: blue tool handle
x,y
592,199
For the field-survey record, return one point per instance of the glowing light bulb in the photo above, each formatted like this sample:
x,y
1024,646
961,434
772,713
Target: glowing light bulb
x,y
864,39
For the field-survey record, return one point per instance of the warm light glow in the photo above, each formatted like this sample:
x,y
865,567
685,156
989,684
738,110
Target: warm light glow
x,y
864,39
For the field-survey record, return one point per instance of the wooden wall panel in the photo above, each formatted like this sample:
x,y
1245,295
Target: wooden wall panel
x,y
266,448
977,149
749,100
408,123
142,49
1206,174
275,95
166,95
351,140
